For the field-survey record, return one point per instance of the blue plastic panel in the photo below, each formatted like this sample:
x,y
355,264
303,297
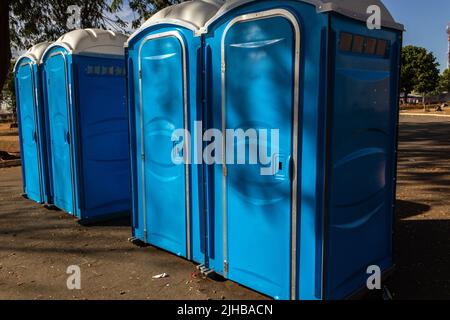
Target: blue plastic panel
x,y
102,136
310,117
60,136
363,142
259,94
29,132
44,162
254,79
193,88
163,112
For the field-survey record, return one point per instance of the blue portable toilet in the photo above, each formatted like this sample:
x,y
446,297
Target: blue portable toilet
x,y
313,70
27,71
164,62
86,123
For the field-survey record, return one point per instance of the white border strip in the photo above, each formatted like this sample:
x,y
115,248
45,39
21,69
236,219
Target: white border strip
x,y
425,115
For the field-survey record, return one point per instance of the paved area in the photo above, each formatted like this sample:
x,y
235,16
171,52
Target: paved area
x,y
422,238
429,112
9,139
37,245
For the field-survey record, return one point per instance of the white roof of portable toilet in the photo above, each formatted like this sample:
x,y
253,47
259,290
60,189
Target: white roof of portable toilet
x,y
35,53
356,9
192,14
92,41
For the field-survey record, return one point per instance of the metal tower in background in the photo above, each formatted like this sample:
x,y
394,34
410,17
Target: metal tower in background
x,y
448,52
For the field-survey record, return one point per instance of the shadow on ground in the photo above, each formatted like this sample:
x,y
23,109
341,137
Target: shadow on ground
x,y
37,246
422,231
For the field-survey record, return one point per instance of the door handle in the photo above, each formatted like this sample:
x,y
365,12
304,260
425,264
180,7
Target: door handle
x,y
280,165
292,168
283,167
178,150
67,137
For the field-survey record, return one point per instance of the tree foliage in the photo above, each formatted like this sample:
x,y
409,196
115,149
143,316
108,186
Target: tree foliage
x,y
33,21
444,81
419,71
5,50
9,90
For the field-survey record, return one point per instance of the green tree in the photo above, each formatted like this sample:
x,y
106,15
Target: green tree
x,y
24,23
8,94
419,71
10,86
5,49
408,71
444,81
9,90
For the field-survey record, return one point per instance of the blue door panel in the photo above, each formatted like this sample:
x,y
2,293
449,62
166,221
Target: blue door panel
x,y
362,152
103,136
29,132
163,112
60,139
259,94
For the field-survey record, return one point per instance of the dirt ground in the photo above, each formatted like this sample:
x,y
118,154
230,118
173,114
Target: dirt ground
x,y
422,234
431,111
9,139
37,245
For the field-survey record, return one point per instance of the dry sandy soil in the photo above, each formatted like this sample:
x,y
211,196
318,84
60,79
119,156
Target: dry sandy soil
x,y
37,245
422,233
9,139
431,111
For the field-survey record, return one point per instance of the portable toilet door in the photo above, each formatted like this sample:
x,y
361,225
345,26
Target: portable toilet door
x,y
256,55
59,122
164,65
270,68
27,73
87,124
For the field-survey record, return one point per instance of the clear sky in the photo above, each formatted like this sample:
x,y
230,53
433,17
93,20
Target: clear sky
x,y
425,22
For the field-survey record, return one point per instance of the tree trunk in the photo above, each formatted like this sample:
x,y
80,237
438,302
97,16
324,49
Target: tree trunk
x,y
405,98
424,102
5,46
